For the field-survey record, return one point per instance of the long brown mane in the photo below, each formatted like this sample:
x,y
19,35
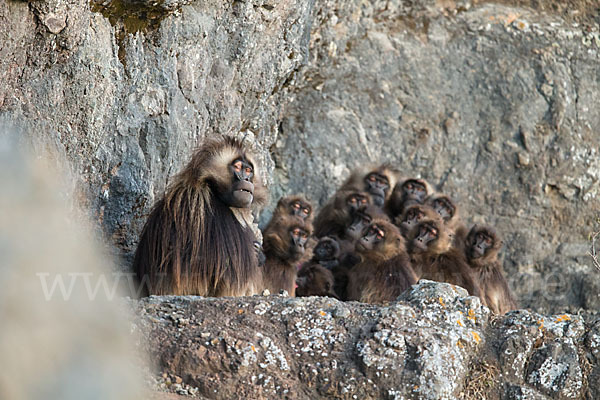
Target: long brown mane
x,y
192,242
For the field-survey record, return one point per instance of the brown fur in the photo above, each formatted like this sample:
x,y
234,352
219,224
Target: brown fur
x,y
402,221
383,272
395,205
441,261
490,272
453,223
315,280
282,262
284,210
336,215
195,244
356,181
284,207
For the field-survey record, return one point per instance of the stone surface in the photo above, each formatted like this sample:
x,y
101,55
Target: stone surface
x,y
493,103
435,342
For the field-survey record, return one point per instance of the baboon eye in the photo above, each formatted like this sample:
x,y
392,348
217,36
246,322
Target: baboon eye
x,y
237,165
296,231
363,200
421,215
304,235
372,178
248,170
488,241
380,235
296,206
409,186
433,232
352,200
306,210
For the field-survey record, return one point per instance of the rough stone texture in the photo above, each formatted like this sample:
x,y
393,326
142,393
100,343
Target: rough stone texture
x,y
126,99
494,104
433,343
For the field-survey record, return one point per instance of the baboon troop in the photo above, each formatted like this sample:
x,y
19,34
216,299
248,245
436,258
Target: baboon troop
x,y
377,235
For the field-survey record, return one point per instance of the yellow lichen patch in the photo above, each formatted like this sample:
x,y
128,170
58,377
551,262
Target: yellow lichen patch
x,y
253,348
459,322
521,25
416,387
323,313
563,318
541,324
471,315
442,302
460,344
240,311
476,336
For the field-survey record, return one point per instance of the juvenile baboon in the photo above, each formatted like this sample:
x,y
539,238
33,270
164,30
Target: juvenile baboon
x,y
284,246
406,193
337,214
315,280
481,247
384,270
198,239
377,181
411,217
448,210
434,257
327,252
361,220
294,205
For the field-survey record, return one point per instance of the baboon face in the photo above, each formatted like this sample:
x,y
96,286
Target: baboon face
x,y
374,237
359,224
480,244
426,235
377,185
412,217
300,209
414,192
241,190
298,238
314,280
444,206
356,201
326,249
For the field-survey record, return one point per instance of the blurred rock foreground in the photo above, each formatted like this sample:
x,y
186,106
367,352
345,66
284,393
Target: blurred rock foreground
x,y
494,102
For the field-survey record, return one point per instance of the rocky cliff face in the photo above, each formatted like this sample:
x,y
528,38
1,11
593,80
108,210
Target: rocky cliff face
x,y
493,104
434,343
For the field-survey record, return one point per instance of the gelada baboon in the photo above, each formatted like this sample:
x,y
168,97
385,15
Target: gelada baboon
x,y
482,246
433,257
198,239
284,244
378,182
411,217
448,210
294,205
315,280
327,252
361,220
384,270
337,214
406,193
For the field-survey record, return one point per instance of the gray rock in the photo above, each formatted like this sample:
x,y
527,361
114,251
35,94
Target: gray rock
x,y
493,104
435,342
